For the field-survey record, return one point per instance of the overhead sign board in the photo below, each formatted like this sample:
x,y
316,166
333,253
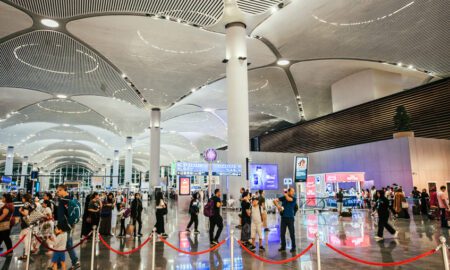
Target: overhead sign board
x,y
199,168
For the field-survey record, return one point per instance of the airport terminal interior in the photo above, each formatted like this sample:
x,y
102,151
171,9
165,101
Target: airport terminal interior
x,y
224,134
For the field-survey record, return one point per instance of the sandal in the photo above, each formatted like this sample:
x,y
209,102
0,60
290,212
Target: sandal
x,y
22,258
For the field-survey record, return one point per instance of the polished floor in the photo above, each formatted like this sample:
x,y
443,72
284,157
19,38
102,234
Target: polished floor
x,y
352,235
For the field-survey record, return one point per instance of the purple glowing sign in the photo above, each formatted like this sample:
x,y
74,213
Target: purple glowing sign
x,y
210,155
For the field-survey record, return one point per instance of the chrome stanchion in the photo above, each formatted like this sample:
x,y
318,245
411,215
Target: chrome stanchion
x,y
94,242
154,249
444,252
317,242
232,249
28,253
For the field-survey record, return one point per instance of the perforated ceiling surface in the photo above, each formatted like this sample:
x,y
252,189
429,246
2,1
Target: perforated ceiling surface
x,y
257,6
12,20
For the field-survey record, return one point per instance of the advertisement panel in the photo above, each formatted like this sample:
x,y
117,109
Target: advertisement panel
x,y
185,186
300,169
311,191
340,177
264,176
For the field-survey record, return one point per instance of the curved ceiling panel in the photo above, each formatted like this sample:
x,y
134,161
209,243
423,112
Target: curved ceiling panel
x,y
134,123
412,32
314,80
152,53
55,63
12,20
202,13
13,99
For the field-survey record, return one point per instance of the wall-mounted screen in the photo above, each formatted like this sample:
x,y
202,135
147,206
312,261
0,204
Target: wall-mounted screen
x,y
264,176
301,169
185,186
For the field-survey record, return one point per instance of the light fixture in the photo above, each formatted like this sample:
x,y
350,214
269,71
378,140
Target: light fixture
x,y
274,9
50,23
208,110
61,96
193,90
283,62
124,75
66,125
411,67
399,64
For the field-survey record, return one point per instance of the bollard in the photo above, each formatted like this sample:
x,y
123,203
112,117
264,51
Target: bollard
x,y
319,266
154,249
30,238
94,242
444,252
232,249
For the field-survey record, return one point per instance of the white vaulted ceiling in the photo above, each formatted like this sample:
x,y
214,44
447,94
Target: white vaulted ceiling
x,y
72,94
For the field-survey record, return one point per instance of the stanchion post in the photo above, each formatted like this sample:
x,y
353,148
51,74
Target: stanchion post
x,y
94,242
232,248
30,238
444,252
319,266
154,249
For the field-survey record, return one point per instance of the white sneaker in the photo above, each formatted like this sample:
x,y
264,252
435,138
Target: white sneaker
x,y
377,238
395,235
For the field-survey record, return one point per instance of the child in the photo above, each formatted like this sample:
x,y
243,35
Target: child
x,y
122,216
59,243
257,222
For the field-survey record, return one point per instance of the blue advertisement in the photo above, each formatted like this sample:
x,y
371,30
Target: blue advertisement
x,y
6,180
301,169
264,176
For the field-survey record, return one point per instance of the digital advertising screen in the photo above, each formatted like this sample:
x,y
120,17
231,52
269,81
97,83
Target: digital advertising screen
x,y
185,186
6,180
301,169
264,176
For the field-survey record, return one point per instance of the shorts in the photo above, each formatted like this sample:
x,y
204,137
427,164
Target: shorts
x,y
58,257
256,230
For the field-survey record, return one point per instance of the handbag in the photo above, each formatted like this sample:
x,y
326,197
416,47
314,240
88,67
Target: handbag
x,y
405,205
130,229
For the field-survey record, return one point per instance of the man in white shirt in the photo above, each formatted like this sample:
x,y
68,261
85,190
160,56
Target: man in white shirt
x,y
443,206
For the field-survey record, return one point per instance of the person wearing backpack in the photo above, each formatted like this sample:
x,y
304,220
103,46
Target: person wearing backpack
x,y
6,221
215,219
63,223
194,207
256,224
287,210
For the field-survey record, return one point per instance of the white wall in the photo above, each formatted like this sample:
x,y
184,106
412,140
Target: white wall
x,y
385,162
430,161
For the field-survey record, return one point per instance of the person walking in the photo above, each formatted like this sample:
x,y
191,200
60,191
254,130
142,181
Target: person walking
x,y
161,210
136,213
106,215
443,206
382,206
194,208
287,206
6,214
216,219
63,223
340,201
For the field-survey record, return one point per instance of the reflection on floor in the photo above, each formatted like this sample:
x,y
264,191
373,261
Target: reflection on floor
x,y
352,235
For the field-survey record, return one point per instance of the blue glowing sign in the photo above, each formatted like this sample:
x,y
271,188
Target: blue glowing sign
x,y
194,168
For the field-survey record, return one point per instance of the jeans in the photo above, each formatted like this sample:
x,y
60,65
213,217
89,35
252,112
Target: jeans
x,y
213,222
382,224
194,220
72,253
122,227
444,223
289,224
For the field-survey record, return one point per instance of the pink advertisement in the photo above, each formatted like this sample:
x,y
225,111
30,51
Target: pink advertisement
x,y
344,177
311,191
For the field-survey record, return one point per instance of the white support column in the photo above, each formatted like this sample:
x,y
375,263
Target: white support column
x,y
108,180
9,161
237,101
115,173
24,171
155,146
129,160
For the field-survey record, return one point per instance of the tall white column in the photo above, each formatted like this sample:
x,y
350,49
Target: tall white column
x,y
155,146
129,160
237,100
108,180
24,171
115,174
9,161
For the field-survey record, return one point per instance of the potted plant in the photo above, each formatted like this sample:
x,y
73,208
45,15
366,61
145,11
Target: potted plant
x,y
402,122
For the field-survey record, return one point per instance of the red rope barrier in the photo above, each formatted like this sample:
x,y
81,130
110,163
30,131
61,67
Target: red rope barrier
x,y
14,247
124,252
193,253
276,262
42,242
382,264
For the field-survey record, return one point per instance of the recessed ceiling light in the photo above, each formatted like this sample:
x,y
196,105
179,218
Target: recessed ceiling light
x,y
274,9
61,96
50,23
193,90
283,62
208,110
124,75
399,64
411,67
66,125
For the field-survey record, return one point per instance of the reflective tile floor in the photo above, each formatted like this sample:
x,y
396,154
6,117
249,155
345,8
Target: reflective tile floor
x,y
351,235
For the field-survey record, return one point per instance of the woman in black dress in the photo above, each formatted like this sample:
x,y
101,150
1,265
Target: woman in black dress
x,y
94,209
106,215
85,226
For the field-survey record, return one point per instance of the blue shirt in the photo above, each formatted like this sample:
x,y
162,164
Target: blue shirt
x,y
289,207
